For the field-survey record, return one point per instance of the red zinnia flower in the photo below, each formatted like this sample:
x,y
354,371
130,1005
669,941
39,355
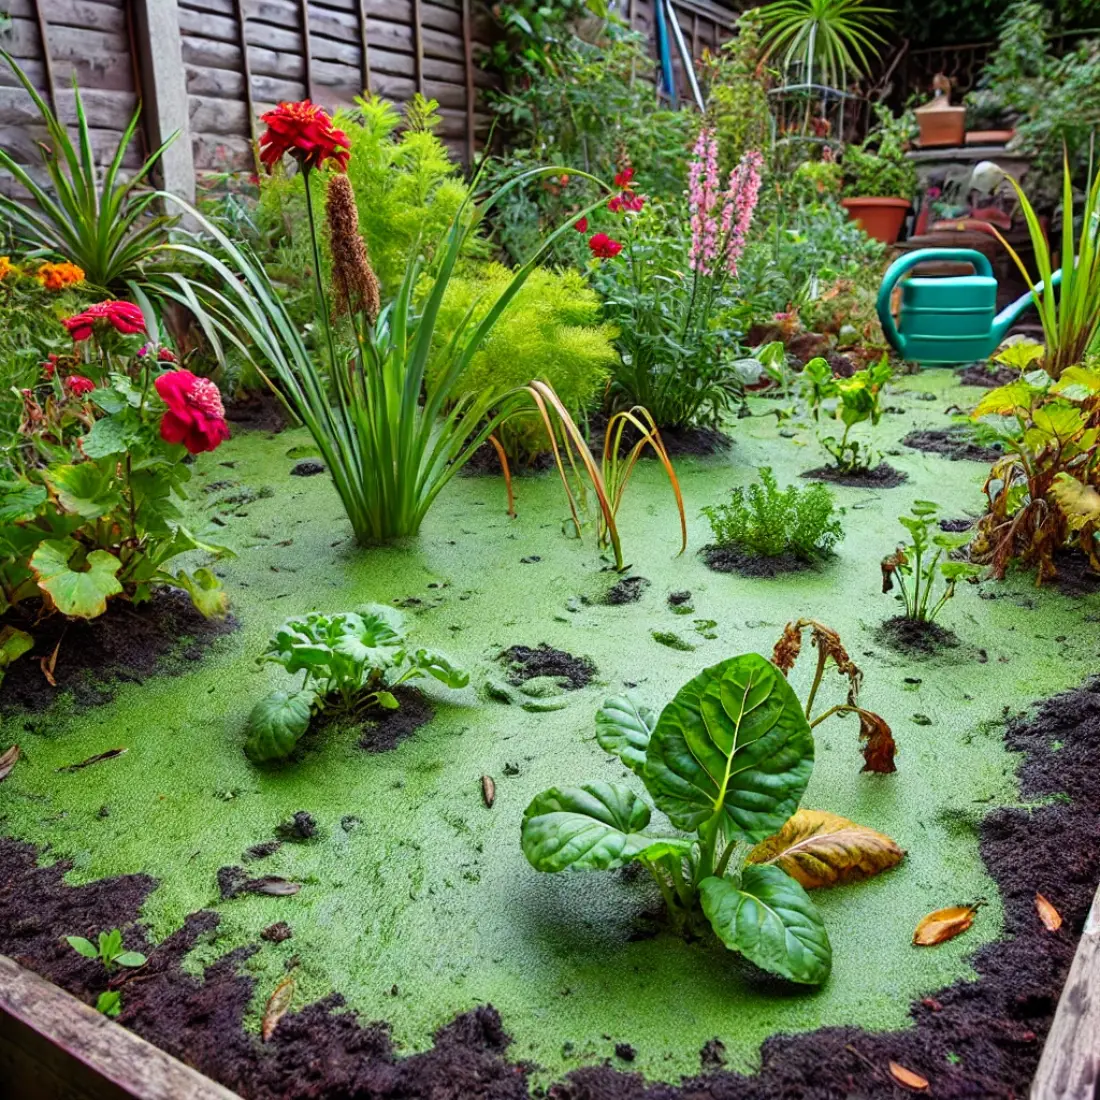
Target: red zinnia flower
x,y
305,131
166,355
633,202
49,367
124,316
195,416
78,385
625,179
603,247
615,204
581,225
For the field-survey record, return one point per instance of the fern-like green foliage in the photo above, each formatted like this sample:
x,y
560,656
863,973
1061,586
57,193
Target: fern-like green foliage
x,y
766,521
551,332
408,190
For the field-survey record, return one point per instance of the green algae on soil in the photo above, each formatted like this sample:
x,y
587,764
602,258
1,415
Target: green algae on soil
x,y
416,902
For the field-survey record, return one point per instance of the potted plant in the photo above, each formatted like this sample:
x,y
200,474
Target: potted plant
x,y
879,182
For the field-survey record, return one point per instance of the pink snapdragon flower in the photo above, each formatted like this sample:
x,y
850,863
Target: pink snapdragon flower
x,y
702,200
739,204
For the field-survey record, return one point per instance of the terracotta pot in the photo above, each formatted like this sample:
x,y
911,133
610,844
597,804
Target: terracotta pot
x,y
945,126
877,217
989,137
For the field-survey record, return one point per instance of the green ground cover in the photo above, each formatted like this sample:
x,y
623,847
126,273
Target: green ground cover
x,y
428,906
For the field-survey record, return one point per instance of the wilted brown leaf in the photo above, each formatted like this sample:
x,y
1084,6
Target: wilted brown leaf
x,y
277,1005
8,760
110,754
49,665
788,647
488,790
817,848
271,884
944,924
879,747
1050,916
908,1078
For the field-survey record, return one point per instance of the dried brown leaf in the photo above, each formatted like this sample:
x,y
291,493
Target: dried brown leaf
x,y
1050,916
110,754
944,924
8,760
277,1005
788,647
879,747
271,884
907,1078
488,790
817,849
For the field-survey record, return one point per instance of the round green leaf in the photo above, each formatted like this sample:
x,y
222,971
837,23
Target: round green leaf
x,y
276,724
435,664
130,958
734,742
770,920
81,592
594,827
624,725
373,638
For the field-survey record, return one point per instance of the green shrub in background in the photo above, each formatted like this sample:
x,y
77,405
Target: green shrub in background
x,y
878,167
767,522
551,331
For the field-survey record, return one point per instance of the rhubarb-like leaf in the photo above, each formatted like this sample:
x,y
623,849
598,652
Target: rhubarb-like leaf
x,y
624,726
81,592
276,725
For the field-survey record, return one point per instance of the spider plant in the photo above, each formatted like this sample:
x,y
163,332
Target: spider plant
x,y
831,40
1071,319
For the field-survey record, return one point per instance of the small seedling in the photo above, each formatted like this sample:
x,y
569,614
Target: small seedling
x,y
916,565
857,400
109,1002
108,951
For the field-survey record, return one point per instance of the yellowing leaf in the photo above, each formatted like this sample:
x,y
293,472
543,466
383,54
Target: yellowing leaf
x,y
944,924
1050,916
817,848
908,1078
277,1005
1080,503
1005,399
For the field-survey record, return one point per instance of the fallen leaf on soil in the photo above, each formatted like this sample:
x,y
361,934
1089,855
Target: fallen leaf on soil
x,y
277,1005
1050,916
908,1078
8,761
944,924
271,884
817,848
879,746
488,790
49,664
110,754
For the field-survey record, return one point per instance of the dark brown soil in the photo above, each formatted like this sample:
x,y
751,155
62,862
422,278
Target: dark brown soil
x,y
956,443
1075,576
526,664
883,476
978,374
258,411
628,590
126,645
975,1040
678,441
916,639
486,463
388,728
728,559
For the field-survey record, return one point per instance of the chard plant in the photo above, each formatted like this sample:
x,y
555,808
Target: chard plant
x,y
350,663
727,762
851,401
917,565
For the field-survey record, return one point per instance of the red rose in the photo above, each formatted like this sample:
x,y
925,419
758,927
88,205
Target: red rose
x,y
305,131
581,225
49,367
633,202
195,416
78,385
625,179
615,204
603,247
125,317
165,355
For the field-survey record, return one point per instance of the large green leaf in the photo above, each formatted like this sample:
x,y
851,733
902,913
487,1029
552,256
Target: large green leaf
x,y
733,742
373,638
624,725
206,592
770,920
277,724
110,435
20,500
84,489
13,644
441,667
594,827
80,592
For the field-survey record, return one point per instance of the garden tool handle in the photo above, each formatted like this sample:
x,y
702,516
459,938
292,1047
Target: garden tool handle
x,y
904,264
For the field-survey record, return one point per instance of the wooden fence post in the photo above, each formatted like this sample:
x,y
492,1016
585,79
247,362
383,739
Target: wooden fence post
x,y
164,92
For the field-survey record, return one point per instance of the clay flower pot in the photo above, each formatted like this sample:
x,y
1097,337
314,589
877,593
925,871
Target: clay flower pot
x,y
943,126
880,218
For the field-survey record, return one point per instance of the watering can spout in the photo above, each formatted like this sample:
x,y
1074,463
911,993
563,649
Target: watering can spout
x,y
1008,316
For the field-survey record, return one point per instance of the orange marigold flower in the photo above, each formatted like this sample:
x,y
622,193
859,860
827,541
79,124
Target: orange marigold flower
x,y
59,276
7,267
305,131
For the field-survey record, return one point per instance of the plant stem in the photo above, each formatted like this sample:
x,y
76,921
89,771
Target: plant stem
x,y
318,277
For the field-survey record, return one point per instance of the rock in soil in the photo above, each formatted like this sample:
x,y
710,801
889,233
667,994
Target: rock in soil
x,y
525,663
308,467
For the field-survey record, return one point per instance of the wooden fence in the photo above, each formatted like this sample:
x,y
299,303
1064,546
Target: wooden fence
x,y
209,68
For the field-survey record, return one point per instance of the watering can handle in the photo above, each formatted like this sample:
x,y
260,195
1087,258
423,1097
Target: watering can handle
x,y
904,264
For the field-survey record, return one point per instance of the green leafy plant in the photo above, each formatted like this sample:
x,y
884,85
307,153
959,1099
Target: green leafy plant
x,y
108,949
1043,496
351,662
916,566
878,166
727,762
854,400
767,521
830,41
109,1002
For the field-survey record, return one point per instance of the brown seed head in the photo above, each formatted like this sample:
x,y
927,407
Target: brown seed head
x,y
353,279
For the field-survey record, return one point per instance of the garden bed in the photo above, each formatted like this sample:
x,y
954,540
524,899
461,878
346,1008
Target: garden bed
x,y
416,906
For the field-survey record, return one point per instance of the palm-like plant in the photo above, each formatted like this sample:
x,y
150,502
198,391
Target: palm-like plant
x,y
831,39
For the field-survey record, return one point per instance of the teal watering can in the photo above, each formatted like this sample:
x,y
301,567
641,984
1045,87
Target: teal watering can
x,y
947,320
